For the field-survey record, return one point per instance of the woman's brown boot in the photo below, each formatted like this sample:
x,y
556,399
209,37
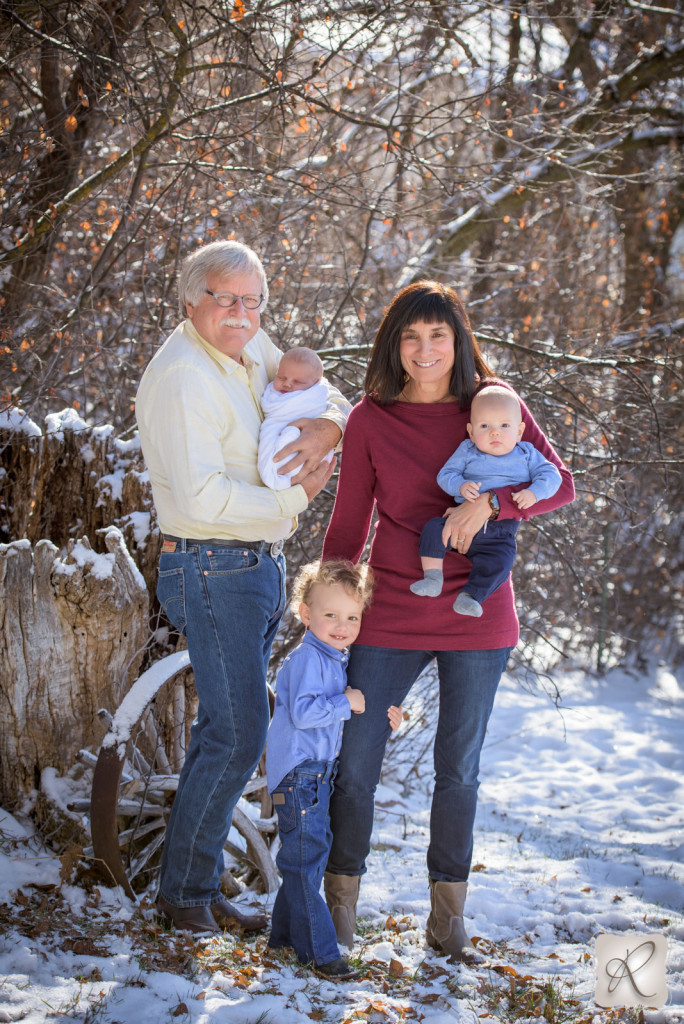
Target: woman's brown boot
x,y
341,894
445,930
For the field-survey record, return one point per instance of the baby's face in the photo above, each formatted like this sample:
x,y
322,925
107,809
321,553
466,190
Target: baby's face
x,y
495,426
294,375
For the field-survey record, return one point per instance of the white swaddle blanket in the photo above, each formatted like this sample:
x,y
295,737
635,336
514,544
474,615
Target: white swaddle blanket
x,y
279,410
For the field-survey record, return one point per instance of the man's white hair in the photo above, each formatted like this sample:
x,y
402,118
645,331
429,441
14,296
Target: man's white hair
x,y
224,258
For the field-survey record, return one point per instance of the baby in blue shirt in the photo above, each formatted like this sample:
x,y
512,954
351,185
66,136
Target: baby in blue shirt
x,y
494,456
312,703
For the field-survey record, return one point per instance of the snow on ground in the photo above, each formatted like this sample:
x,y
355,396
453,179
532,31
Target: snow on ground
x,y
579,832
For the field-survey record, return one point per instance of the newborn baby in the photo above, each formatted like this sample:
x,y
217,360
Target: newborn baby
x,y
296,392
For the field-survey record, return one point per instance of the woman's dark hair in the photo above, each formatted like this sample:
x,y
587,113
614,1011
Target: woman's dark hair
x,y
434,303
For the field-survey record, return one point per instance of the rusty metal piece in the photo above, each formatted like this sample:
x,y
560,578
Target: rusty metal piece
x,y
104,816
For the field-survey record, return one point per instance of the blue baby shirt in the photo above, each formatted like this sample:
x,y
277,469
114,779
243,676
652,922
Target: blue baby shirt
x,y
520,465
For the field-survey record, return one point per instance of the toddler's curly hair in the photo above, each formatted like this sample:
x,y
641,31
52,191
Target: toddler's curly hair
x,y
357,580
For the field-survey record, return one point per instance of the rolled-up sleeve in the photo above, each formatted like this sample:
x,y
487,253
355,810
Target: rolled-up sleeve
x,y
338,408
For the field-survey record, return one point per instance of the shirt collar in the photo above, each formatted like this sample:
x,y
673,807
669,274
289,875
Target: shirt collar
x,y
320,645
229,364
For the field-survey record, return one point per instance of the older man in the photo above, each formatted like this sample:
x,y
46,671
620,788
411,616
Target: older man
x,y
221,571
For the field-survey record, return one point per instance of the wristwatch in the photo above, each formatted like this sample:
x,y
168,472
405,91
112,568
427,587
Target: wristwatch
x,y
494,505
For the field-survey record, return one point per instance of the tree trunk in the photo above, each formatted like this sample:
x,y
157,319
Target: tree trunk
x,y
71,641
75,620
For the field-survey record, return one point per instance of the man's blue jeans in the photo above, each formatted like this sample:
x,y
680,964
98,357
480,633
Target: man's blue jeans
x,y
467,685
300,916
228,602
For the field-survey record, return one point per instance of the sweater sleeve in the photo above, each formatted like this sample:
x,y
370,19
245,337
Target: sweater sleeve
x,y
565,493
351,518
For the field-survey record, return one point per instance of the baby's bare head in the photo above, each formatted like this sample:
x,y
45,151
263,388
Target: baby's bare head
x,y
299,370
498,397
496,423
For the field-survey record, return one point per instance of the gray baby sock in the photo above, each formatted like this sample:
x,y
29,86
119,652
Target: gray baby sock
x,y
431,585
467,605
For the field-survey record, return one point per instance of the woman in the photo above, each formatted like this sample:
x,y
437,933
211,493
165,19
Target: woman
x,y
424,368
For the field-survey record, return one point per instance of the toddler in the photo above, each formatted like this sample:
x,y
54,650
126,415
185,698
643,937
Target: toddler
x,y
297,391
312,703
493,457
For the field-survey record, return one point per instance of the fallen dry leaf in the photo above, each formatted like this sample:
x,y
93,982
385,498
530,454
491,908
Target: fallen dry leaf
x,y
69,862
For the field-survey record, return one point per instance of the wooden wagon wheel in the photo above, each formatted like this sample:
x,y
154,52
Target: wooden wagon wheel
x,y
136,777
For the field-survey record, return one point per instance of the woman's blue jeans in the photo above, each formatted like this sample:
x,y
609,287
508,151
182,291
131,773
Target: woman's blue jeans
x,y
228,602
300,916
468,681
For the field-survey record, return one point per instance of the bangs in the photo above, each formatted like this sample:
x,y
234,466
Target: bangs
x,y
430,306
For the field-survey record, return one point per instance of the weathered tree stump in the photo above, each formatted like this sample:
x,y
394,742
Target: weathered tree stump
x,y
74,604
71,640
70,480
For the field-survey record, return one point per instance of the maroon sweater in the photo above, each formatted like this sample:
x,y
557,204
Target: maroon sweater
x,y
390,460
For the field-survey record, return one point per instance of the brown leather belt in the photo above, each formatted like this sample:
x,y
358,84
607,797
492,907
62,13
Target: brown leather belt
x,y
273,548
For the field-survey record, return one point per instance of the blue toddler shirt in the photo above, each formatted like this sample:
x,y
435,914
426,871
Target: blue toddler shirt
x,y
310,708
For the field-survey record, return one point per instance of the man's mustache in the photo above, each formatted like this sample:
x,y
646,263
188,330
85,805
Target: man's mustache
x,y
237,322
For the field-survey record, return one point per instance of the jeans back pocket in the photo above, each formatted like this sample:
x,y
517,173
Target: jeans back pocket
x,y
171,596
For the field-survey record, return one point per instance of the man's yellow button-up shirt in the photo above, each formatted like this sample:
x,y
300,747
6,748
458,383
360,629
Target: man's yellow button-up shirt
x,y
199,413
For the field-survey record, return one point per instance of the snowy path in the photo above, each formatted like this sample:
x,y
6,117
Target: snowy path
x,y
579,832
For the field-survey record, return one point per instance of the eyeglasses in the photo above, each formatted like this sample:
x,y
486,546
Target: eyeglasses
x,y
227,299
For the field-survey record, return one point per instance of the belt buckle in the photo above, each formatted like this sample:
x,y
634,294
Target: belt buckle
x,y
276,548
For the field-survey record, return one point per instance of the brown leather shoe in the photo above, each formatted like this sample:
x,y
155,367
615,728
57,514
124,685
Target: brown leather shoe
x,y
338,970
228,916
197,920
